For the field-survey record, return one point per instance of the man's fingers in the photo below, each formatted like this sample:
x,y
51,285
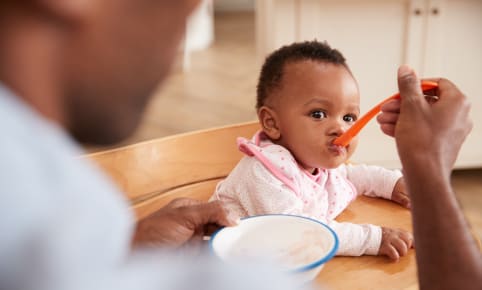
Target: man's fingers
x,y
409,86
225,218
392,106
194,246
388,129
210,229
208,213
387,117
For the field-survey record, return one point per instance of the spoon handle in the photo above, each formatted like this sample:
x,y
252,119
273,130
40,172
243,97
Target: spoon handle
x,y
345,138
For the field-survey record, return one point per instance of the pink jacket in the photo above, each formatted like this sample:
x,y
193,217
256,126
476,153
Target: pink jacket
x,y
269,180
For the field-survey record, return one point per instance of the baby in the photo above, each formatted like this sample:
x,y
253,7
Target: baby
x,y
306,97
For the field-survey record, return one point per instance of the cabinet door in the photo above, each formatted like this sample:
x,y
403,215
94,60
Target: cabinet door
x,y
276,25
454,50
435,37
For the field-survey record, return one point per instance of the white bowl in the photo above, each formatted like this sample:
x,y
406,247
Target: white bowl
x,y
296,244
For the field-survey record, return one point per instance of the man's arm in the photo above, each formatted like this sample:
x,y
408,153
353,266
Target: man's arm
x,y
429,137
447,254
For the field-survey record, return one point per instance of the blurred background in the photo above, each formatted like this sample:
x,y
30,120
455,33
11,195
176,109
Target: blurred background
x,y
214,78
213,82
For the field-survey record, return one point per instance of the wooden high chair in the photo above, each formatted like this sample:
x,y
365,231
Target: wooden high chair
x,y
153,173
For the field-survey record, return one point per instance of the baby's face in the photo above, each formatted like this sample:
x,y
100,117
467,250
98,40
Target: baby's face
x,y
316,103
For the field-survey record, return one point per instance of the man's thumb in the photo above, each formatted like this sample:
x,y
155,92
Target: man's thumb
x,y
409,85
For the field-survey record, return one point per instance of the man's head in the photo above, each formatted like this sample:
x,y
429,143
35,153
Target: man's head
x,y
106,59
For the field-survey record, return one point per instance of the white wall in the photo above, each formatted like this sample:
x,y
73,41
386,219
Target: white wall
x,y
200,27
233,5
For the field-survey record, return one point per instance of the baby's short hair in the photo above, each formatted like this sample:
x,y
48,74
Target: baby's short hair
x,y
272,70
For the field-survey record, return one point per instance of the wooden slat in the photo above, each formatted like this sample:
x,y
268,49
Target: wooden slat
x,y
201,191
150,167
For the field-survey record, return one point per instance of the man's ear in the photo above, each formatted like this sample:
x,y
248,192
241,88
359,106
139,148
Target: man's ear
x,y
269,122
67,10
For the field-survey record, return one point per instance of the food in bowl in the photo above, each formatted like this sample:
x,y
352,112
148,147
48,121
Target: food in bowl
x,y
294,243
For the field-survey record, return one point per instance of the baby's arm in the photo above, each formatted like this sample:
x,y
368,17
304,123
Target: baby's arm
x,y
366,239
357,239
374,181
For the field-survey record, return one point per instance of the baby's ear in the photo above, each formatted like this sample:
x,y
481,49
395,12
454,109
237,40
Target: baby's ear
x,y
269,122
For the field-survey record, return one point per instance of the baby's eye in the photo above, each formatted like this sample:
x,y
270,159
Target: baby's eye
x,y
318,114
349,118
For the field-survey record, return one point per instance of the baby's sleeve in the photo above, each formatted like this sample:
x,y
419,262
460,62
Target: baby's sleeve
x,y
357,239
374,181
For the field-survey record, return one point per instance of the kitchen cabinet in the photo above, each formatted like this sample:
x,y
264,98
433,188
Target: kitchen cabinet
x,y
436,37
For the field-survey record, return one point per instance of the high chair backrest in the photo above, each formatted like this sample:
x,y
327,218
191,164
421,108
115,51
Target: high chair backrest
x,y
152,173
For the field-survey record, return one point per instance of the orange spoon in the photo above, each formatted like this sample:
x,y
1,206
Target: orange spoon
x,y
346,137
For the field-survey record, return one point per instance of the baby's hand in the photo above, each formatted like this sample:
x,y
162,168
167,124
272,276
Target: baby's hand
x,y
399,193
395,243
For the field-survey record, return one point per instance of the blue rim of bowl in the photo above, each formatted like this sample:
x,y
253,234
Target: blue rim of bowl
x,y
310,266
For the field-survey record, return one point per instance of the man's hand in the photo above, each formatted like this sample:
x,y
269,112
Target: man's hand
x,y
426,131
182,222
395,243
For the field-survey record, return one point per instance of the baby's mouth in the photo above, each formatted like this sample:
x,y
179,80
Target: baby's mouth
x,y
337,148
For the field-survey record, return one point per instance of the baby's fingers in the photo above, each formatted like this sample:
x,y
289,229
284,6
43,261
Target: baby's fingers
x,y
400,246
407,238
405,201
392,253
402,199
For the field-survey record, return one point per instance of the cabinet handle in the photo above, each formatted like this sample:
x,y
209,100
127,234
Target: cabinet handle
x,y
417,11
435,11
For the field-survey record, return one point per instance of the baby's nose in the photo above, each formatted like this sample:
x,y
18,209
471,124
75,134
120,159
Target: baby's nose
x,y
338,128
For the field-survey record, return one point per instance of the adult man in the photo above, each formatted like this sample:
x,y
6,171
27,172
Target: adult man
x,y
86,67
